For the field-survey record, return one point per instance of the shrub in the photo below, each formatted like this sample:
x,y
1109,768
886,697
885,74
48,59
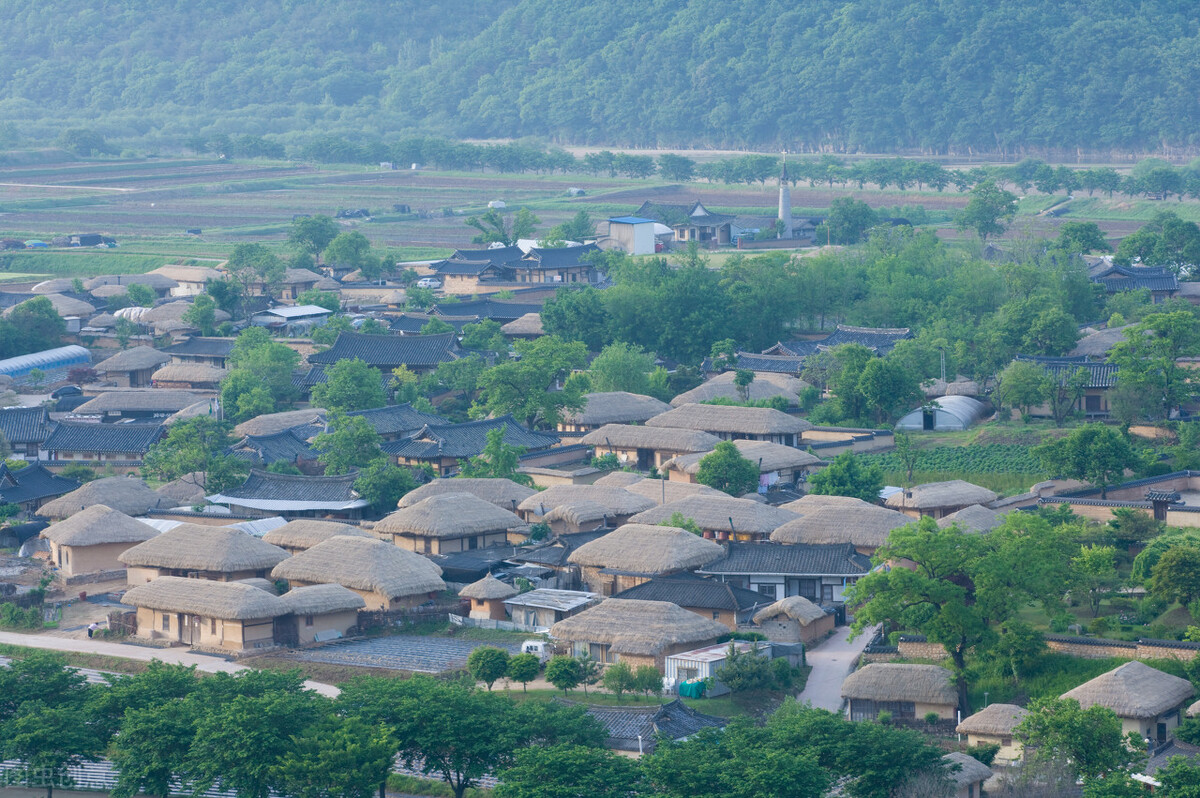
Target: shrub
x,y
932,718
885,717
984,752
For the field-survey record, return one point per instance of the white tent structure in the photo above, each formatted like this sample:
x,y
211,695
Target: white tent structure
x,y
944,414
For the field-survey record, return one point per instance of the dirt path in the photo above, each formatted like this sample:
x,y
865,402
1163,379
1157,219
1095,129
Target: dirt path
x,y
830,663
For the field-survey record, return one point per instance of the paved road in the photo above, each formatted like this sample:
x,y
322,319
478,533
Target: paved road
x,y
830,663
203,662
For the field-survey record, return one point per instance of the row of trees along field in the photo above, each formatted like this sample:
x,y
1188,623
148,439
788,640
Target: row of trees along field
x,y
821,75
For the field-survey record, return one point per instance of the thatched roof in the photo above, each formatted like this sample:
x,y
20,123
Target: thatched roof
x,y
503,493
189,372
126,494
932,495
188,490
96,525
449,515
616,407
715,512
584,511
731,419
863,525
261,583
107,291
321,599
158,400
632,626
362,563
618,501
797,608
204,407
975,518
1133,690
231,601
194,547
188,274
997,720
133,359
156,280
671,439
304,533
488,589
765,386
961,386
271,423
620,479
964,769
58,285
663,491
810,502
645,549
767,456
1098,344
102,321
64,306
923,684
529,324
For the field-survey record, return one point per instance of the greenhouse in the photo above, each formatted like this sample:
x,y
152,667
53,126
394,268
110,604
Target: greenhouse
x,y
58,358
944,414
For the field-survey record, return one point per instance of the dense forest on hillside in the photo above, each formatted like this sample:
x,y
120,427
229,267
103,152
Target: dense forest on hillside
x,y
858,75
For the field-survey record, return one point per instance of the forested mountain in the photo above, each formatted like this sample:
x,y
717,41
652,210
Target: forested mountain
x,y
926,75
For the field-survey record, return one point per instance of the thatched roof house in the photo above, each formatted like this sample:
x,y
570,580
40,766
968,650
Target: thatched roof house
x,y
63,305
188,375
139,403
994,725
796,608
527,326
620,503
321,600
722,517
866,526
448,523
612,407
219,553
730,422
787,462
975,518
620,479
304,533
584,515
1144,698
126,494
487,598
632,553
765,386
137,358
637,632
222,600
186,491
386,576
967,773
501,492
907,691
662,491
90,541
794,619
938,499
642,447
272,423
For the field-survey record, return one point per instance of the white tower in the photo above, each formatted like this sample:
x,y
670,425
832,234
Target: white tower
x,y
785,202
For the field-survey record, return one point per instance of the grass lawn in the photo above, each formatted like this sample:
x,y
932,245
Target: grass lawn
x,y
97,662
411,785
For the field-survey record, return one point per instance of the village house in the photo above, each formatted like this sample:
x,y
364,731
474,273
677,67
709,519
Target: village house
x,y
694,673
265,494
304,533
690,222
839,519
583,515
560,265
420,353
722,602
820,574
729,423
794,619
1101,378
292,319
317,613
967,774
293,283
499,311
777,465
156,281
611,407
185,491
448,523
101,444
386,576
639,729
1159,281
188,376
766,385
124,494
635,632
721,517
131,368
25,429
503,493
270,423
290,446
31,487
907,692
975,518
659,491
203,351
939,499
543,607
994,725
1173,498
90,541
393,422
635,553
141,404
1149,702
443,445
619,503
189,280
487,598
526,328
880,340
644,448
216,553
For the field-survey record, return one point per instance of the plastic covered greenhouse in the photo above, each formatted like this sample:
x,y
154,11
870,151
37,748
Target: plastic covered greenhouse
x,y
60,357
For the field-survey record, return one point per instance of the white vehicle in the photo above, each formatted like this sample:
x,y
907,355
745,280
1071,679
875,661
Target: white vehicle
x,y
429,282
539,647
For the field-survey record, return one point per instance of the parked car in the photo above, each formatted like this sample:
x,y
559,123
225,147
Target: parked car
x,y
66,390
429,282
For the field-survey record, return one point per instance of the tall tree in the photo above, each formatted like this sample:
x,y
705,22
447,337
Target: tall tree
x,y
312,234
525,387
987,210
1095,452
350,442
254,263
1089,741
725,469
350,385
195,444
848,476
498,460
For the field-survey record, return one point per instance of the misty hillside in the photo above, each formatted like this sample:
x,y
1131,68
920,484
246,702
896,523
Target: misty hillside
x,y
927,75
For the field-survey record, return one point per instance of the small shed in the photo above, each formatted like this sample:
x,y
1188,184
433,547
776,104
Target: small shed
x,y
993,725
1149,702
967,773
703,663
319,613
906,691
633,234
487,598
939,499
945,414
794,619
132,368
544,607
637,632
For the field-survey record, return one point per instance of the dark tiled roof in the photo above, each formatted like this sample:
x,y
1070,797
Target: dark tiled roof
x,y
107,438
464,267
389,351
305,380
488,309
9,299
1132,278
397,419
411,323
289,487
201,347
25,424
1101,375
1163,755
780,364
287,447
31,483
831,559
696,592
879,339
466,440
498,256
556,258
673,721
557,553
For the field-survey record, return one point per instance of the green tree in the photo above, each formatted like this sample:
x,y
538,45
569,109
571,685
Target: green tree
x,y
39,324
487,664
1094,574
498,460
350,385
578,315
987,210
618,679
336,758
323,299
888,388
569,771
484,337
1148,358
1081,238
202,314
648,679
848,222
1087,741
350,443
522,387
676,168
435,326
138,295
151,748
195,444
621,367
227,293
1064,393
47,740
254,263
1023,385
746,671
1176,576
494,227
524,668
563,672
725,469
579,228
848,476
256,362
383,484
312,234
1095,452
590,671
348,250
